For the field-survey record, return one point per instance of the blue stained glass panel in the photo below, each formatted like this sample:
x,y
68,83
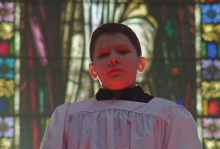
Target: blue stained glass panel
x,y
7,68
210,13
212,50
180,101
3,106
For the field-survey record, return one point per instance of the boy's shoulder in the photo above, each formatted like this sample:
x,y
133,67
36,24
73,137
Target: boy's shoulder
x,y
90,100
163,102
75,106
165,108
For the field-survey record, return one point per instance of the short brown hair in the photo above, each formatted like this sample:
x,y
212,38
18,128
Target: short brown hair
x,y
112,28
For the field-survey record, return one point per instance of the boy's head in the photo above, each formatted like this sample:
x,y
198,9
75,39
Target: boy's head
x,y
115,54
112,28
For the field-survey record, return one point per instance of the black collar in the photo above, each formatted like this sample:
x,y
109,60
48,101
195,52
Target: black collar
x,y
132,94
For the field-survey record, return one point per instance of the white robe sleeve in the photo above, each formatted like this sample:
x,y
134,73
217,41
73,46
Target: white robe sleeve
x,y
53,136
181,130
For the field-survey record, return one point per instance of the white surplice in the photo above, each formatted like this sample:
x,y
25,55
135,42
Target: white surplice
x,y
121,124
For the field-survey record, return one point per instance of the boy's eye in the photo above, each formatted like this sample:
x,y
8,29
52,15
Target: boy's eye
x,y
103,55
106,54
123,52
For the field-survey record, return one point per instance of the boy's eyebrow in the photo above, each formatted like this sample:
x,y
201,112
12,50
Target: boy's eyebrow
x,y
117,45
102,48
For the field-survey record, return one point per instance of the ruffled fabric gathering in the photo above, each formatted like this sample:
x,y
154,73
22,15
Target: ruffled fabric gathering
x,y
113,128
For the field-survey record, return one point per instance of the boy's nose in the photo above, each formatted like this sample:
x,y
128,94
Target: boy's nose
x,y
113,57
113,60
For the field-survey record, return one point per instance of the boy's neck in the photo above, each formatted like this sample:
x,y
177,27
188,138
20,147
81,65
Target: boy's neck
x,y
116,94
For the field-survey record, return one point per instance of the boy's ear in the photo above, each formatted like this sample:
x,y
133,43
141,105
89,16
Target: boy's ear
x,y
142,64
92,71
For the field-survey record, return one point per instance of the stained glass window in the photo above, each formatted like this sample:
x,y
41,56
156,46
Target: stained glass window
x,y
44,58
208,75
8,34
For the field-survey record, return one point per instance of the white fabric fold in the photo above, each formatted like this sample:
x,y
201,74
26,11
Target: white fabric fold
x,y
121,124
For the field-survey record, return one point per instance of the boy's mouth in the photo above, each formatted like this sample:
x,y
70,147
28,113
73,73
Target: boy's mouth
x,y
115,69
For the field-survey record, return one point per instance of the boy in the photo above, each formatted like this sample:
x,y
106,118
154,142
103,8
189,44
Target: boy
x,y
121,115
115,57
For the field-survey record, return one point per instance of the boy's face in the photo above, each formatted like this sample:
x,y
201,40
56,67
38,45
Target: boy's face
x,y
115,51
